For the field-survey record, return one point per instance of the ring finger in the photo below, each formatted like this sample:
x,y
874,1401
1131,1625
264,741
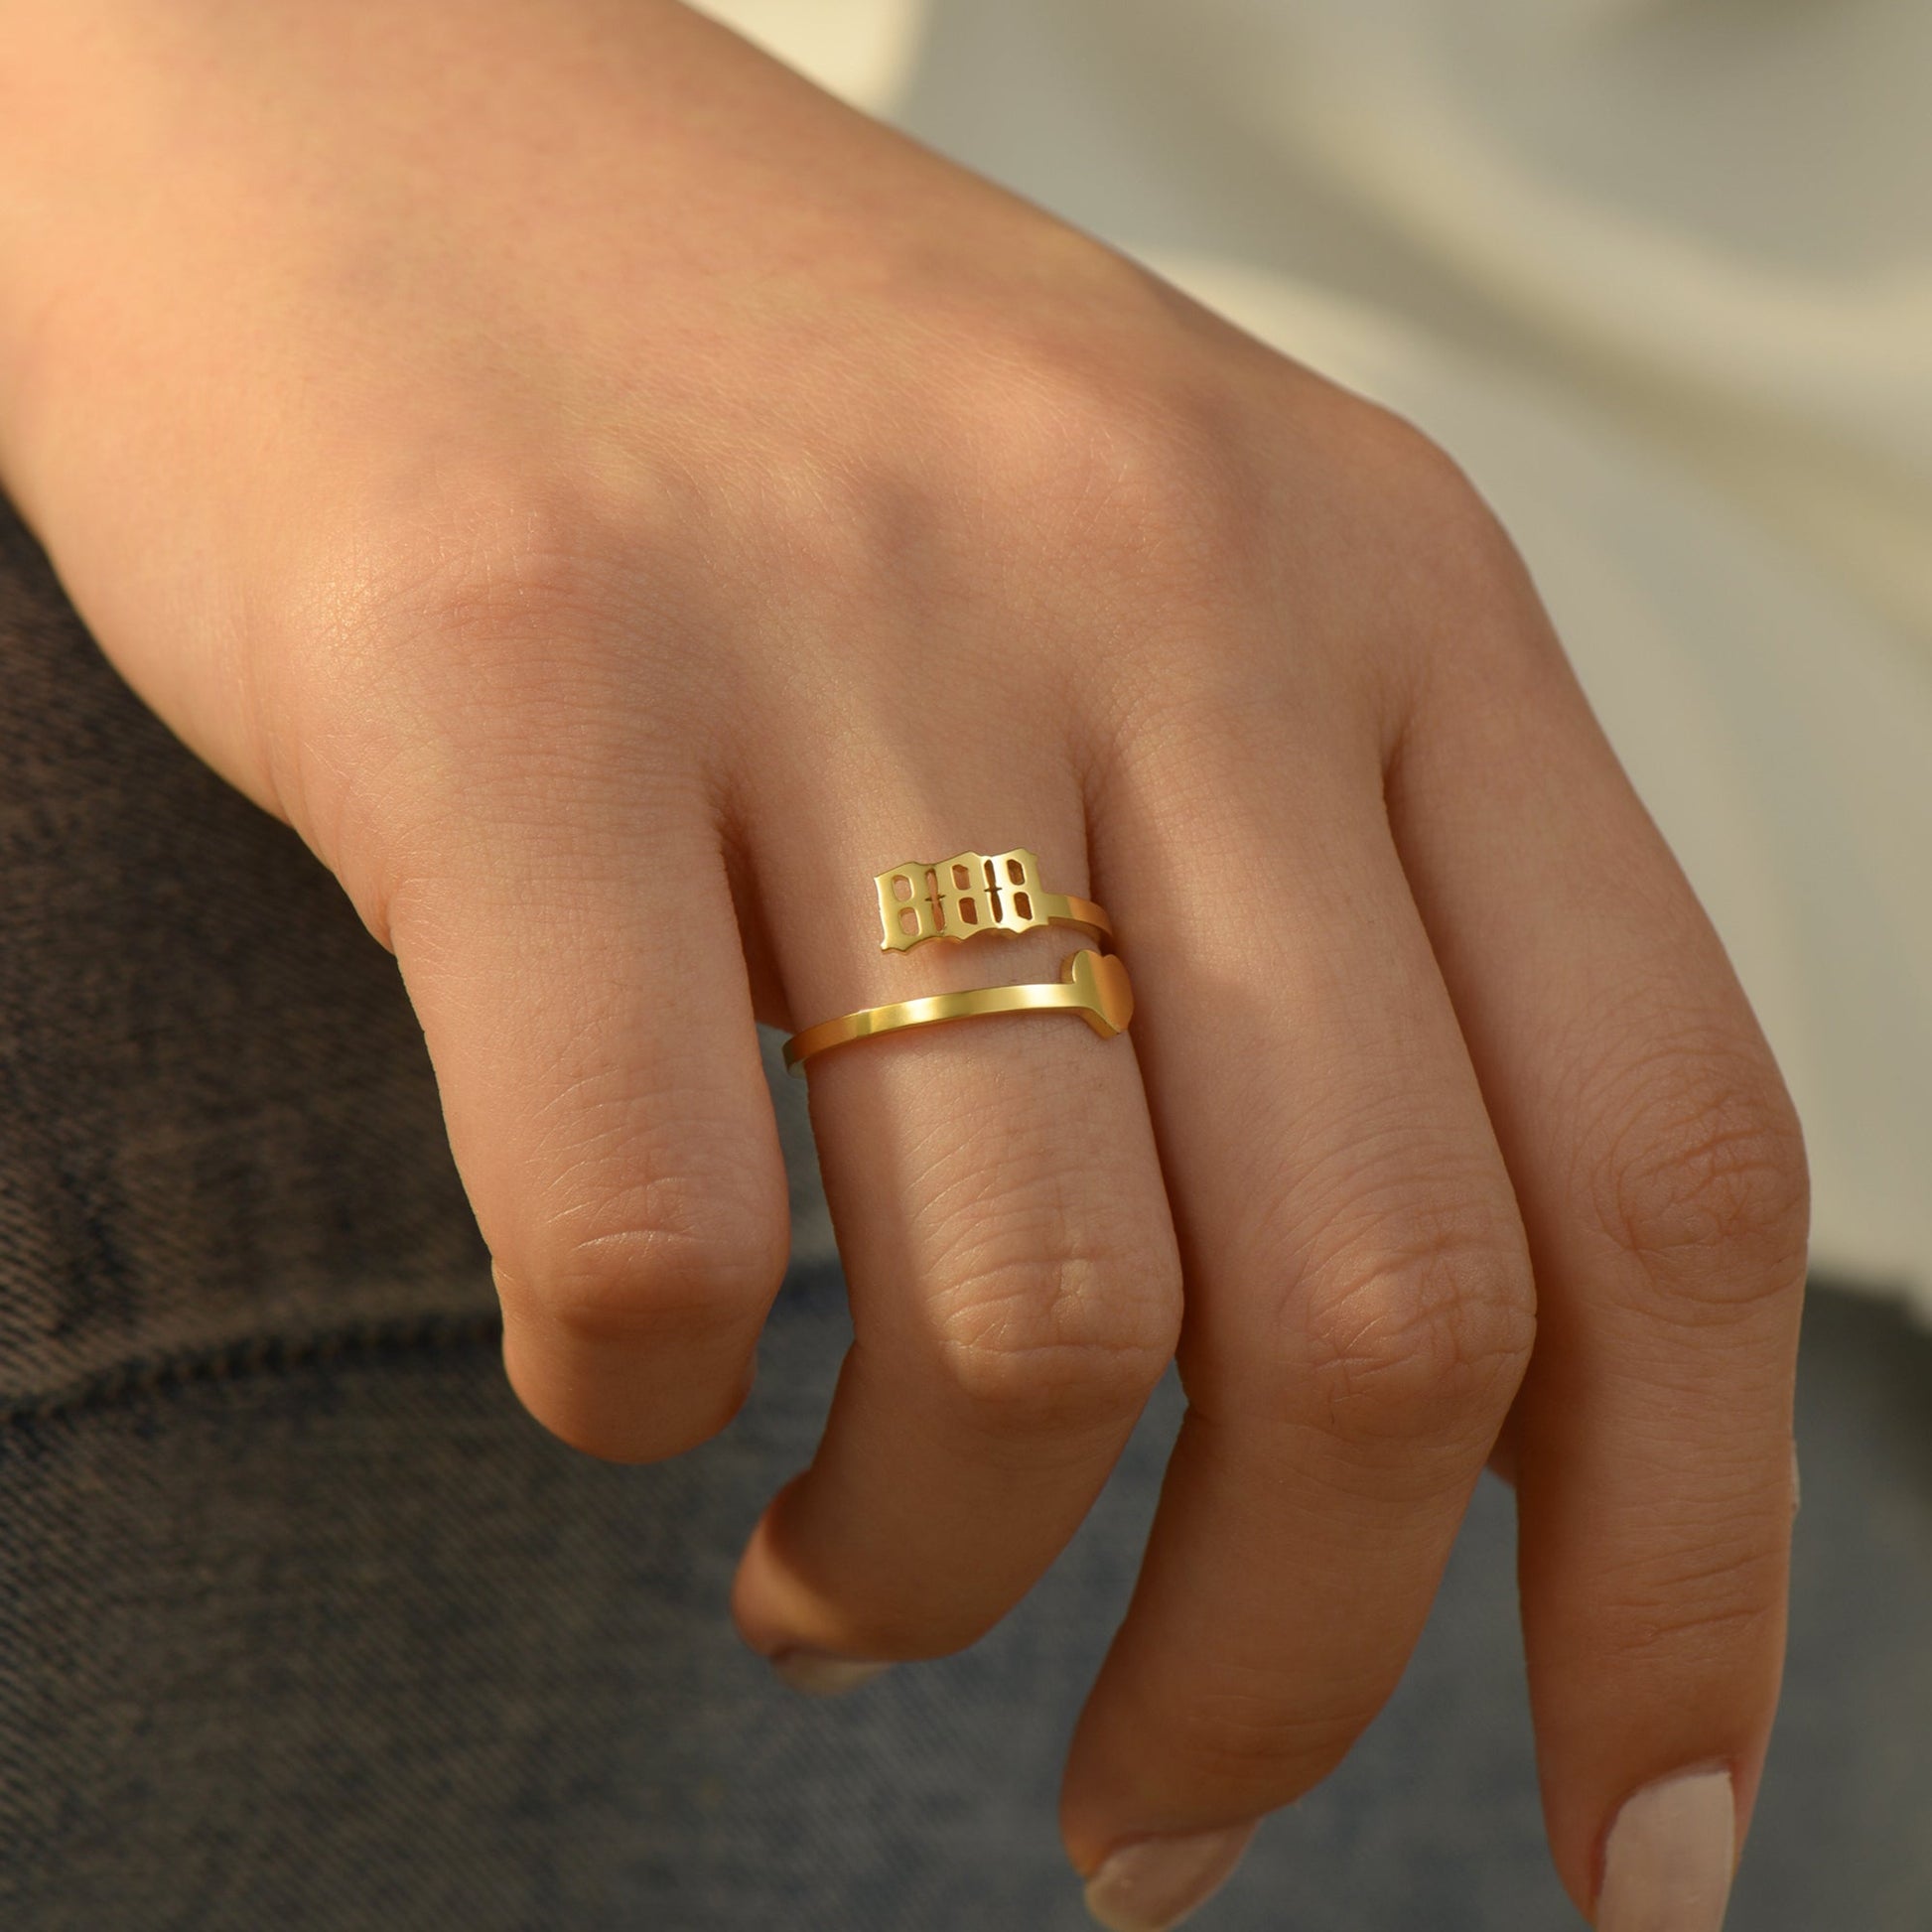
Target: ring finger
x,y
1359,1302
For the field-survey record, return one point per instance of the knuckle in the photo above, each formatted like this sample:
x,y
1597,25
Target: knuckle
x,y
486,666
1714,1608
1057,1340
1093,444
1419,1332
1702,1175
487,554
1447,573
516,621
1136,469
689,1269
1138,463
1452,543
1243,1740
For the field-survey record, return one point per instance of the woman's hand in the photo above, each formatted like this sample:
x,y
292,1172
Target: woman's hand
x,y
613,502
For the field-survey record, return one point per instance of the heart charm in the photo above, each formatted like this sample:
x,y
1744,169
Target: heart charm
x,y
1106,993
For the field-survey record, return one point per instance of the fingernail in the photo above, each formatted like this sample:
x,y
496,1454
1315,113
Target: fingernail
x,y
1667,1865
1155,1883
821,1675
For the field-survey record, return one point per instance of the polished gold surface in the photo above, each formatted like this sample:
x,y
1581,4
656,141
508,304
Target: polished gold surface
x,y
1093,985
973,893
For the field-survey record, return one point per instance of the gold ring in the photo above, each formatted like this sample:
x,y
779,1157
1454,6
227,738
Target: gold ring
x,y
1093,985
973,893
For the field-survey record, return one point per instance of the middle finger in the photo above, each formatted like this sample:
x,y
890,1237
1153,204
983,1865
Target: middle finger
x,y
1009,1255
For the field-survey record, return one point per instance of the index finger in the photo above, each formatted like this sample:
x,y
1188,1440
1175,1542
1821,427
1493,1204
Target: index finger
x,y
573,954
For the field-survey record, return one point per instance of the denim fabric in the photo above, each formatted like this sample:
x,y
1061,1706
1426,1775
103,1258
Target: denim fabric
x,y
304,1626
216,1120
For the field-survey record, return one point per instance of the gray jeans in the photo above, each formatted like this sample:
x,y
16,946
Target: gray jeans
x,y
304,1626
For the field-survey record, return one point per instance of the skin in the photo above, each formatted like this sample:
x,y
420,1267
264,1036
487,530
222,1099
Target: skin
x,y
611,500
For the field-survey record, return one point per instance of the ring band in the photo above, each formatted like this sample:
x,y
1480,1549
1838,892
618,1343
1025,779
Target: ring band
x,y
1093,985
973,893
